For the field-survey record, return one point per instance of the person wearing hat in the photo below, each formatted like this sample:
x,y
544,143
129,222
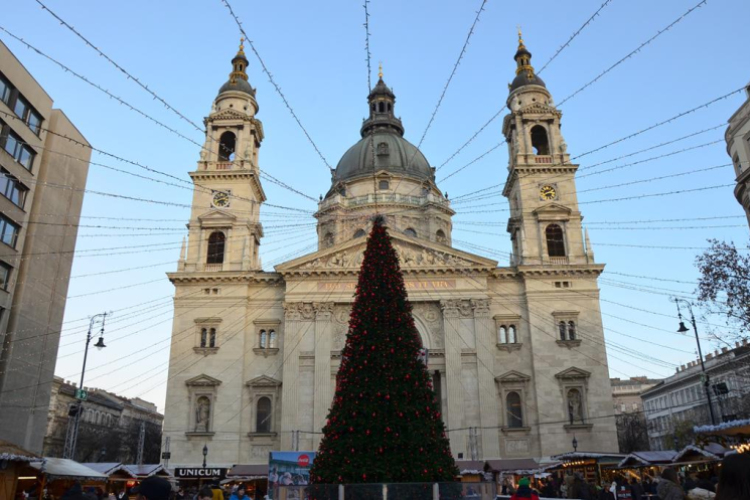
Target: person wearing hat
x,y
153,488
524,491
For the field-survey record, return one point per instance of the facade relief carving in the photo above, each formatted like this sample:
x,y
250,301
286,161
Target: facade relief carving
x,y
408,257
202,414
323,310
429,314
481,307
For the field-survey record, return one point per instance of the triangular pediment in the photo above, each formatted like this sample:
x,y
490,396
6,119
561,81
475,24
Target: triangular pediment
x,y
263,381
573,373
538,108
552,209
229,114
217,214
414,255
512,376
203,380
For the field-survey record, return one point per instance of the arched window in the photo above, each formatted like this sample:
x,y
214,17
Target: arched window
x,y
571,330
272,339
410,232
226,146
263,415
539,140
384,185
555,242
360,233
389,106
502,335
514,410
562,330
263,339
215,248
212,338
381,107
512,339
440,236
204,337
373,107
328,240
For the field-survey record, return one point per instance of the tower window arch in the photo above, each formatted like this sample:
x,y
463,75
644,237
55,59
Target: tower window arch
x,y
227,144
514,410
328,240
212,337
512,337
263,415
360,233
555,241
539,140
571,330
381,107
215,248
410,232
440,236
502,334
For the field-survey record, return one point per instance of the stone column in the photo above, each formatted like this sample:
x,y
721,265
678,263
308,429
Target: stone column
x,y
484,329
323,395
290,373
455,391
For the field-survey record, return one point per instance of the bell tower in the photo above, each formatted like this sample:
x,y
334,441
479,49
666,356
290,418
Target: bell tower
x,y
224,227
545,223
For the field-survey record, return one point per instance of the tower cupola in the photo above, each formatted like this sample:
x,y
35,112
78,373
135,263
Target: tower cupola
x,y
382,102
524,71
238,77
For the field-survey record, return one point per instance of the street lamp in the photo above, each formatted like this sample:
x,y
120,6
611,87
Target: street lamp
x,y
575,444
684,329
205,453
72,438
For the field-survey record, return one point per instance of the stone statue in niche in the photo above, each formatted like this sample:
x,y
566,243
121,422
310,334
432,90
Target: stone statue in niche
x,y
575,406
563,147
202,414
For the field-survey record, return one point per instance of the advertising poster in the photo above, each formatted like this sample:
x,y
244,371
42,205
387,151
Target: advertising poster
x,y
288,468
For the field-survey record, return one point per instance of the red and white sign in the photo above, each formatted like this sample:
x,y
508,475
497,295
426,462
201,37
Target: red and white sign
x,y
303,460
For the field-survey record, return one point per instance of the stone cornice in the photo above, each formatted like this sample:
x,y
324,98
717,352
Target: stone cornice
x,y
187,277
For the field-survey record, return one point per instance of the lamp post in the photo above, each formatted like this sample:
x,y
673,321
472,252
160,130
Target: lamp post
x,y
684,329
72,438
575,444
205,453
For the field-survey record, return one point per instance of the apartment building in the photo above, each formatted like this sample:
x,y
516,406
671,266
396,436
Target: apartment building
x,y
41,193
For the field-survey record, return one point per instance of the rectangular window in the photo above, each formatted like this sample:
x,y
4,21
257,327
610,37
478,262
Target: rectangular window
x,y
12,189
4,275
8,232
22,153
4,90
21,108
34,122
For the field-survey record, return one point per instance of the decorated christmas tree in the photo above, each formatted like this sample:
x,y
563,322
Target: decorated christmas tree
x,y
384,425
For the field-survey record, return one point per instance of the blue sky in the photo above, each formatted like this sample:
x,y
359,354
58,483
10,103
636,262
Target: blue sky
x,y
315,51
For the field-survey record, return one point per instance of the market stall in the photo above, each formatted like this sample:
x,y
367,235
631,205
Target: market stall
x,y
57,475
12,461
118,476
147,470
734,434
253,476
593,467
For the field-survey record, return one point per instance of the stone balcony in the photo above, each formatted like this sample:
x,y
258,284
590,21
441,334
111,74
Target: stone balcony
x,y
226,165
385,198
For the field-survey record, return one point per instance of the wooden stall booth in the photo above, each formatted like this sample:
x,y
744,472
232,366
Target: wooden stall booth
x,y
593,467
58,475
119,478
253,476
12,461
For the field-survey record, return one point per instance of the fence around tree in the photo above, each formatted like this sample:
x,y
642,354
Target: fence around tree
x,y
392,491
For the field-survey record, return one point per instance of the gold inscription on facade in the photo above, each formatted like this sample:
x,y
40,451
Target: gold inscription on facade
x,y
410,285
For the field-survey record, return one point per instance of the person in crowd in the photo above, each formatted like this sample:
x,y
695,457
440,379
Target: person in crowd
x,y
578,488
690,482
669,486
605,493
216,491
205,494
239,494
636,490
734,478
153,488
74,493
704,482
524,490
624,493
549,490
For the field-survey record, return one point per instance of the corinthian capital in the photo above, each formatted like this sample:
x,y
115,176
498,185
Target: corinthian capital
x,y
481,307
323,310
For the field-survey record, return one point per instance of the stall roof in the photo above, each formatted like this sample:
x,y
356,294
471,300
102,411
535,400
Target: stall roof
x,y
582,455
13,453
146,470
63,468
513,464
470,466
693,453
109,468
647,458
248,470
725,428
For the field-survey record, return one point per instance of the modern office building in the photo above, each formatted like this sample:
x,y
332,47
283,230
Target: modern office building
x,y
41,192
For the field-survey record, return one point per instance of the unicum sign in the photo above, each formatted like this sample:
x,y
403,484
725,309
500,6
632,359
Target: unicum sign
x,y
199,472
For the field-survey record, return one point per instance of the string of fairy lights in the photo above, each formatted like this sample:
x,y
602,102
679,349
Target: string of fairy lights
x,y
278,89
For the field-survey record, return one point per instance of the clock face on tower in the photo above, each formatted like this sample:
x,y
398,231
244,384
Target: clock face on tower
x,y
548,192
220,199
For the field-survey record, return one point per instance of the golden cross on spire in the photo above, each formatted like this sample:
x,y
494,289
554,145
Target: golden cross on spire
x,y
380,70
520,36
242,41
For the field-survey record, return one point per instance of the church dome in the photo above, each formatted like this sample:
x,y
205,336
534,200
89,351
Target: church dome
x,y
525,74
392,153
238,77
383,146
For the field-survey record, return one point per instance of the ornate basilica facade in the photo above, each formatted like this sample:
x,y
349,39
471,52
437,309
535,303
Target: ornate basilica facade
x,y
516,352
